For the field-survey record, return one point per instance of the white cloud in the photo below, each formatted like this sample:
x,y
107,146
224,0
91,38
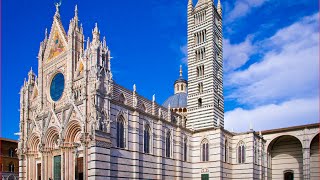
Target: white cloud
x,y
242,8
288,70
236,55
290,113
184,51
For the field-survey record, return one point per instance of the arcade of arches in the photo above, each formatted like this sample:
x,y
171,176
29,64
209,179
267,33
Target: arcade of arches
x,y
293,155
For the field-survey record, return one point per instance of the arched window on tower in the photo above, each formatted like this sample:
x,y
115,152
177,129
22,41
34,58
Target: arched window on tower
x,y
11,152
204,150
120,133
241,153
11,167
199,102
168,144
147,139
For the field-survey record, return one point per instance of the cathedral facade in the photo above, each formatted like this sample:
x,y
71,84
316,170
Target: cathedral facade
x,y
76,122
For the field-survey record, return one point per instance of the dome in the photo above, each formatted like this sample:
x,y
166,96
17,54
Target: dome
x,y
178,100
181,80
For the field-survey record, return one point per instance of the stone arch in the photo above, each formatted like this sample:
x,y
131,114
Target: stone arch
x,y
313,138
11,177
72,132
204,150
33,142
314,157
241,150
283,134
121,130
51,137
285,154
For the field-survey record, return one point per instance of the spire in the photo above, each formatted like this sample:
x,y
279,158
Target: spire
x,y
153,98
88,43
96,29
134,88
219,7
96,33
76,11
104,42
31,76
31,71
190,3
46,34
180,85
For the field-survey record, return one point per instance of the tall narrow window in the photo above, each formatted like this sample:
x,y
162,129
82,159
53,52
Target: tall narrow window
x,y
185,149
241,153
205,150
11,167
120,133
57,167
199,102
168,144
200,87
11,152
202,70
226,148
147,139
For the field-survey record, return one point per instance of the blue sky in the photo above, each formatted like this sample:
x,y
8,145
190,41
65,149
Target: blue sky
x,y
270,53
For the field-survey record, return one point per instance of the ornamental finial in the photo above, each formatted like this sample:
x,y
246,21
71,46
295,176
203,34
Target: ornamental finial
x,y
154,98
180,70
76,11
134,87
57,4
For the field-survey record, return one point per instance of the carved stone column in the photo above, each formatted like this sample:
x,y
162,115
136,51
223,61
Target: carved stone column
x,y
22,167
306,163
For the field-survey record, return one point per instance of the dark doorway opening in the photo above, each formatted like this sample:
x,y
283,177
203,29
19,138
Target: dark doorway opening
x,y
79,169
204,176
288,175
39,171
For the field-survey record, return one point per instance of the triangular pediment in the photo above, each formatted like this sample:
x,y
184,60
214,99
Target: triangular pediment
x,y
57,43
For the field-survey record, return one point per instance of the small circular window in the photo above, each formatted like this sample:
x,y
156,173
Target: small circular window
x,y
57,87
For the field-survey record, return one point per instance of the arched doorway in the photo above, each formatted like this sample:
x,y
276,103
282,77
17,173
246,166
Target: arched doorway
x,y
285,158
11,177
314,159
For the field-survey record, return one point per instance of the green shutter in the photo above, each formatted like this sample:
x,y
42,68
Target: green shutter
x,y
57,168
204,176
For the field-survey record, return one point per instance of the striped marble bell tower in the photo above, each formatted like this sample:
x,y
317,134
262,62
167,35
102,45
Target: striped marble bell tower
x,y
205,65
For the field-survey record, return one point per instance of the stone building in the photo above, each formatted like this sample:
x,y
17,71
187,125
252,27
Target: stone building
x,y
76,122
9,169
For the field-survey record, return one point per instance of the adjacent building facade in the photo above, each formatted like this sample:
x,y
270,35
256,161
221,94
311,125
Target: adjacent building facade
x,y
76,122
9,169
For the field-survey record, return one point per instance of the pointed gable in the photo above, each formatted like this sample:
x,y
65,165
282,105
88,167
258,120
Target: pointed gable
x,y
57,43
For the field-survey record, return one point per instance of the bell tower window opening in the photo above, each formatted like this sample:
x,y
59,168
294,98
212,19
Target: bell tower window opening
x,y
199,102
